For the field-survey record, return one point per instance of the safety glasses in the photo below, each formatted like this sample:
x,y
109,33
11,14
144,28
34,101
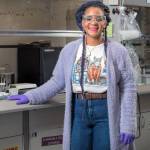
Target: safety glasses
x,y
90,18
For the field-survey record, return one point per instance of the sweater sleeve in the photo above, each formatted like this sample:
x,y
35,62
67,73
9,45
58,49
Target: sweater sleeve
x,y
128,122
51,87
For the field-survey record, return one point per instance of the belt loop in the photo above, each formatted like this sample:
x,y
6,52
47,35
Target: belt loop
x,y
76,96
82,95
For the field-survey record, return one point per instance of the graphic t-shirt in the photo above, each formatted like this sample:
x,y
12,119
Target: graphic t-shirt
x,y
95,73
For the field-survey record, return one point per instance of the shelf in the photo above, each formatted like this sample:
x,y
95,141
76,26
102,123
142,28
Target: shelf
x,y
41,33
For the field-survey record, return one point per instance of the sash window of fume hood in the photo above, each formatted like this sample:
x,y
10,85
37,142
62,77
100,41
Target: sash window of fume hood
x,y
126,29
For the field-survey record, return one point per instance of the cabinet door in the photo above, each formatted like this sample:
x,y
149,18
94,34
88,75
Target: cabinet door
x,y
143,142
46,128
10,124
11,143
11,134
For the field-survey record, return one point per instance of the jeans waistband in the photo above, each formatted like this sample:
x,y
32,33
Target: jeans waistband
x,y
92,96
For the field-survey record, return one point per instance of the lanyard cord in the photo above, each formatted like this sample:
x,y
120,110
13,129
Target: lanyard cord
x,y
82,66
105,42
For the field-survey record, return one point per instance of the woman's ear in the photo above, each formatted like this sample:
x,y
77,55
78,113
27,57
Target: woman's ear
x,y
82,23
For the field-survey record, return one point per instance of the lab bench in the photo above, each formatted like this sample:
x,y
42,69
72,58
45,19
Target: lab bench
x,y
143,117
30,127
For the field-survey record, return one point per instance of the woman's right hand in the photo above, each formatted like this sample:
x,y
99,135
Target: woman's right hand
x,y
20,99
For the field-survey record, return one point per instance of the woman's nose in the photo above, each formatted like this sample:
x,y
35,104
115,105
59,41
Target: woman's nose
x,y
94,21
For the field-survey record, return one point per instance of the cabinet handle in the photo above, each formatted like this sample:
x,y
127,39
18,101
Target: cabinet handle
x,y
142,121
34,134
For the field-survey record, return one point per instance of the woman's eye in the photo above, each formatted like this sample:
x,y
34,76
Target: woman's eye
x,y
89,18
94,17
99,18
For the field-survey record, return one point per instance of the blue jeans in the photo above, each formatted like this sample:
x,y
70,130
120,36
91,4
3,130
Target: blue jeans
x,y
90,129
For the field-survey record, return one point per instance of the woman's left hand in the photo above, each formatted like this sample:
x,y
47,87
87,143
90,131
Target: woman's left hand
x,y
126,138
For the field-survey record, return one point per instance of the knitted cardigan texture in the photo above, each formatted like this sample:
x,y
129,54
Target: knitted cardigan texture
x,y
121,93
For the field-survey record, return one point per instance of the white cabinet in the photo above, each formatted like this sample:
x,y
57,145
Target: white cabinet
x,y
12,143
143,142
46,128
11,134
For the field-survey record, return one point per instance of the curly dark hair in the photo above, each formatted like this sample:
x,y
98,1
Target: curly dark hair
x,y
90,3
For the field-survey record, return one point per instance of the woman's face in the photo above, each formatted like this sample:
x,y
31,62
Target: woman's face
x,y
93,22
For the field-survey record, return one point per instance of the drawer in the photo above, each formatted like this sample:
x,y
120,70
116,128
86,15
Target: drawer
x,y
10,124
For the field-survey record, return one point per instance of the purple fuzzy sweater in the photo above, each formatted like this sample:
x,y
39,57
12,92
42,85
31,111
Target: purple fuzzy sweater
x,y
121,92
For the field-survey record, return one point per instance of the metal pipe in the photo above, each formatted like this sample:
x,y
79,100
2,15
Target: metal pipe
x,y
44,33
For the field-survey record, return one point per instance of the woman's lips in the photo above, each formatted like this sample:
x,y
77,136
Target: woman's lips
x,y
93,29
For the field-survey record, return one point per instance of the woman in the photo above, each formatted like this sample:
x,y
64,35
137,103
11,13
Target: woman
x,y
100,112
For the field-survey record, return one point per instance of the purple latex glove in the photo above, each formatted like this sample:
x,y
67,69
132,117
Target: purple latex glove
x,y
20,99
126,138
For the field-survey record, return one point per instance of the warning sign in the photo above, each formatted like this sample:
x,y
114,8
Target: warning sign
x,y
52,140
12,148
